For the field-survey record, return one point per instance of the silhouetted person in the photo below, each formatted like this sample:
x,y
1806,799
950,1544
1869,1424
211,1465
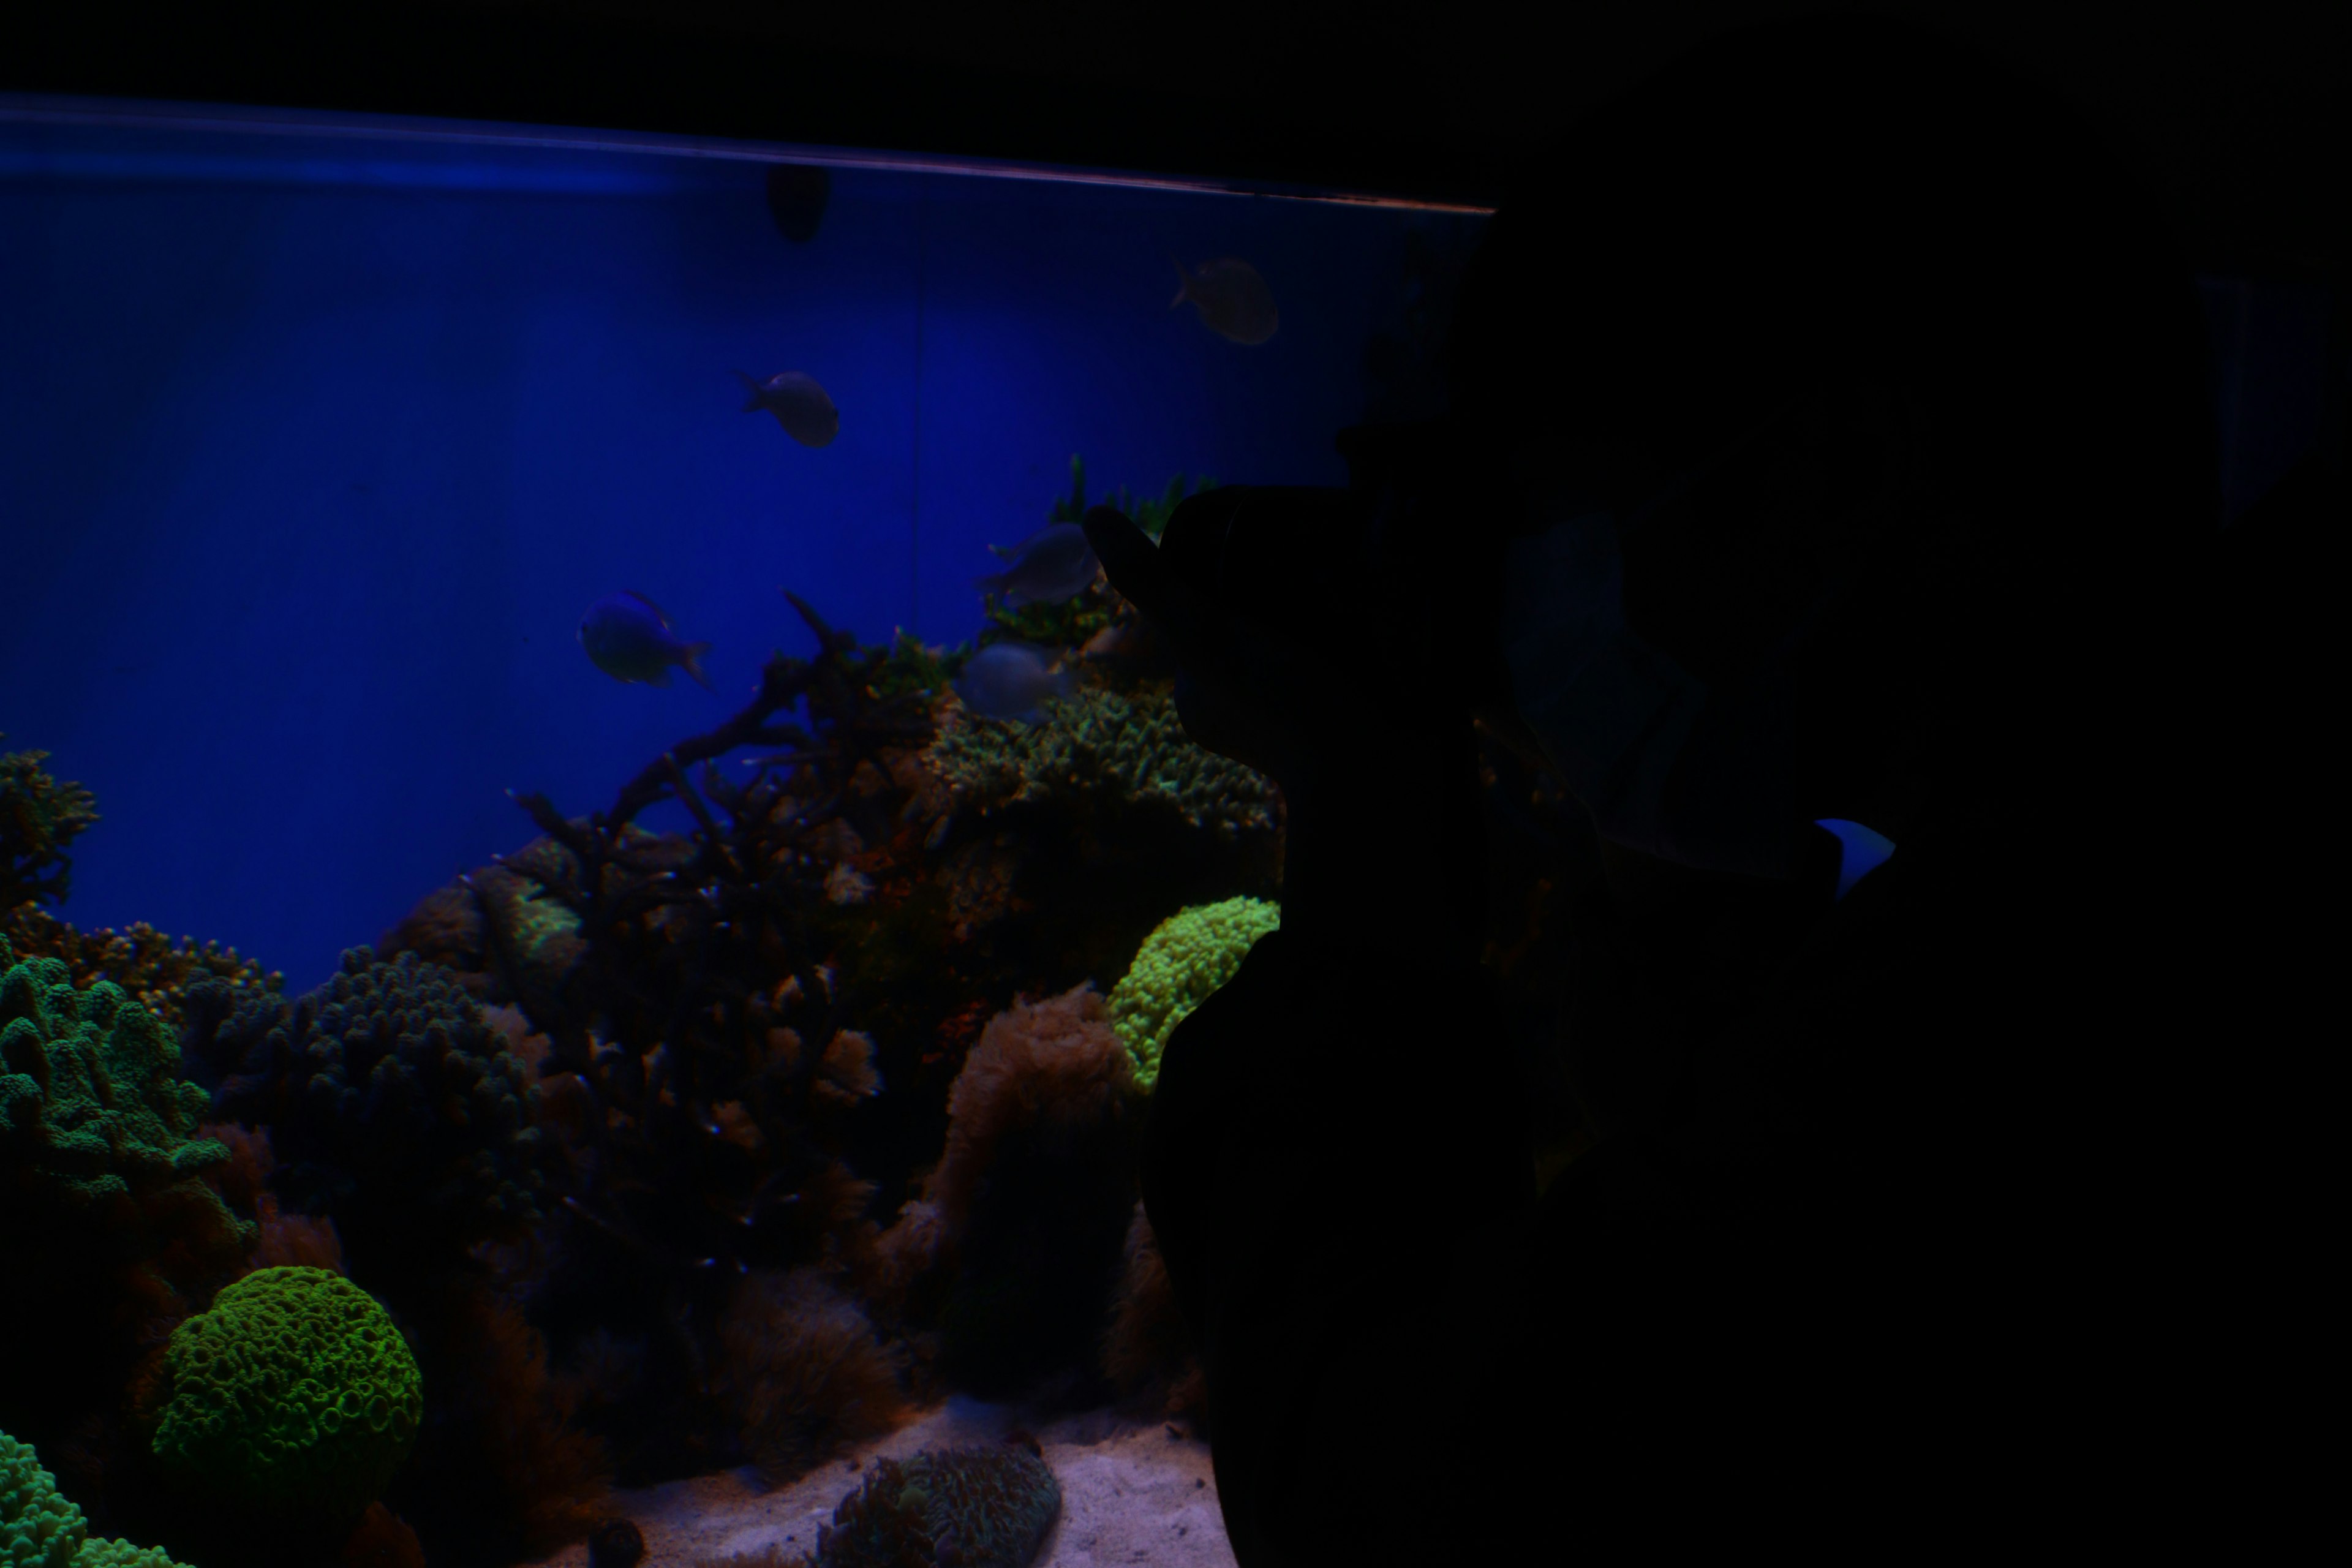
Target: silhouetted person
x,y
1829,442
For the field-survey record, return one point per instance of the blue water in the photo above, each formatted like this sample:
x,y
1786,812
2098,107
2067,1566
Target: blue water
x,y
314,452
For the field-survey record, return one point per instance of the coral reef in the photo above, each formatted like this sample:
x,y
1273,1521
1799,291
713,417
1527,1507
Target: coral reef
x,y
290,1403
153,970
1132,748
1187,957
1147,1343
39,1528
395,1104
39,815
93,1113
949,1508
803,1371
616,1544
382,1541
1027,1206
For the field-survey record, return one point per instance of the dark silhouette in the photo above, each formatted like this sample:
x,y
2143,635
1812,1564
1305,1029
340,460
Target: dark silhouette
x,y
1896,393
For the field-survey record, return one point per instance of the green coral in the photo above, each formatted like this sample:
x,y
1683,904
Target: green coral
x,y
153,970
294,1398
91,1095
39,816
1184,961
1096,742
950,1508
39,1528
1150,513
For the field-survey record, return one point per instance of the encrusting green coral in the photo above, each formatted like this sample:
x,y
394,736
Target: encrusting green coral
x,y
1182,962
1099,741
39,816
292,1400
950,1508
90,1096
40,1528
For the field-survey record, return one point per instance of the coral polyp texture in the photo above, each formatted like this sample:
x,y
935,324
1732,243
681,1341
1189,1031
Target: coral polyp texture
x,y
1099,744
292,1400
39,815
950,1508
92,1106
398,1105
40,1528
1182,962
153,970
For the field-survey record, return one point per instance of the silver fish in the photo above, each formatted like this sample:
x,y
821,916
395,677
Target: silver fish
x,y
1010,681
1232,299
799,403
1052,565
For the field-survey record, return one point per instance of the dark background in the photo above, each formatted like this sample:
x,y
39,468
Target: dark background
x,y
2223,108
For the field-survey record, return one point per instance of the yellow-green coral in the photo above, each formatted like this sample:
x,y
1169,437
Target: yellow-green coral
x,y
1186,958
90,1096
293,1398
39,1528
1099,741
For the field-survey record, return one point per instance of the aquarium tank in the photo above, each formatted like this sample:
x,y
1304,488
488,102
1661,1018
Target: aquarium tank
x,y
592,878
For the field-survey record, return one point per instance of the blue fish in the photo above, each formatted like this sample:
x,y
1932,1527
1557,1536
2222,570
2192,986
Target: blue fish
x,y
1052,565
627,636
799,403
1010,681
1232,299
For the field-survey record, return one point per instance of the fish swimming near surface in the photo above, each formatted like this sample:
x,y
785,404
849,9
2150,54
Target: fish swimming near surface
x,y
628,637
1232,299
1010,681
799,403
1052,565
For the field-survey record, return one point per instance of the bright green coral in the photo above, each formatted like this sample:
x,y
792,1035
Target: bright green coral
x,y
91,1095
39,1528
1184,961
950,1508
1098,743
294,1397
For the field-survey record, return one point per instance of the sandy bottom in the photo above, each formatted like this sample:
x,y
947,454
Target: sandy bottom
x,y
1131,1492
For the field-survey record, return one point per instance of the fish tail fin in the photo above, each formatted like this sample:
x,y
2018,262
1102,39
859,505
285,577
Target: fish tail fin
x,y
1183,283
751,386
692,662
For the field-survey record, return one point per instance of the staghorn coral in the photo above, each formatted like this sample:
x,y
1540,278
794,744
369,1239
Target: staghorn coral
x,y
950,1508
39,1528
1029,1200
39,815
1131,750
803,1373
153,970
1187,956
396,1104
291,1402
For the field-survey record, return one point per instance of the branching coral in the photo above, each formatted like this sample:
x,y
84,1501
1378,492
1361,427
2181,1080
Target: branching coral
x,y
1187,957
39,815
1130,749
39,1528
396,1104
94,1112
153,970
952,1508
293,1401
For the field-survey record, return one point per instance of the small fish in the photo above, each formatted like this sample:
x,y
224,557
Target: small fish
x,y
1010,681
1124,639
1232,299
627,636
796,198
799,404
1052,565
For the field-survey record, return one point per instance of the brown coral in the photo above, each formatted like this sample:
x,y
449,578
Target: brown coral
x,y
803,1371
1147,1341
